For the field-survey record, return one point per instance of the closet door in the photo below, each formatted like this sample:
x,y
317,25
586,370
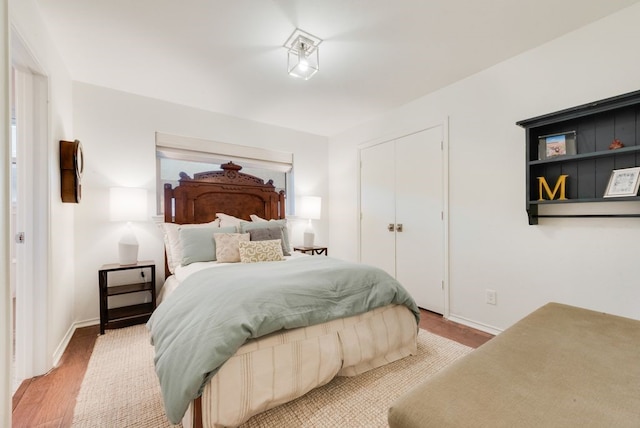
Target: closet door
x,y
419,209
401,201
377,207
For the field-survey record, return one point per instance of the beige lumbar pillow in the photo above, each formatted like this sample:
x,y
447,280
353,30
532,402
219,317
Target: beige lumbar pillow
x,y
261,251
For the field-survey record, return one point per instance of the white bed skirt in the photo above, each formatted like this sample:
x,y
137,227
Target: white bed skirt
x,y
281,367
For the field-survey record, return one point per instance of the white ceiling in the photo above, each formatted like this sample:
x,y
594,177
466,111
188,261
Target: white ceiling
x,y
226,56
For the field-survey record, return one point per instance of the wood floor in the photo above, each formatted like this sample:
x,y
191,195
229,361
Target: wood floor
x,y
435,324
48,401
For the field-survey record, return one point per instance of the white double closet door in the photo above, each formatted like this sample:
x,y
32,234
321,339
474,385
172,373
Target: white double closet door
x,y
402,213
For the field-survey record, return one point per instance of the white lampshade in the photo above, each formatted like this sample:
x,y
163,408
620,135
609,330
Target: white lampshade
x,y
310,207
128,204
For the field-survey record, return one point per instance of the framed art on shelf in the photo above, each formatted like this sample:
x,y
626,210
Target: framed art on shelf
x,y
623,182
560,144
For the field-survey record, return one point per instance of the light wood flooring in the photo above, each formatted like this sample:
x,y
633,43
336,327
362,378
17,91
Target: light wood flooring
x,y
48,401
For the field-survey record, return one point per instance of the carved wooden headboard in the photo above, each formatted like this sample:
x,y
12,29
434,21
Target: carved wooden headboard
x,y
229,191
198,199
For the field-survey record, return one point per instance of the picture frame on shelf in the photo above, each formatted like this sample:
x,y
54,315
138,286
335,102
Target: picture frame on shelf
x,y
623,182
558,144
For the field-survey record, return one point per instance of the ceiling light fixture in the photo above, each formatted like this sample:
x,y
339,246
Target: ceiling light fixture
x,y
302,54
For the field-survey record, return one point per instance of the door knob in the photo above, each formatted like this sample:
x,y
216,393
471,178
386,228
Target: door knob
x,y
391,227
399,227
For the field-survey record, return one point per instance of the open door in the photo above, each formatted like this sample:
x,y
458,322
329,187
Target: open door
x,y
30,226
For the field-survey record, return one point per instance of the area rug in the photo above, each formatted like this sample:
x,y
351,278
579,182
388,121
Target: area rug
x,y
120,387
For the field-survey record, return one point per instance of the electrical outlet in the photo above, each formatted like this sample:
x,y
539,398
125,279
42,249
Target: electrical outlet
x,y
491,297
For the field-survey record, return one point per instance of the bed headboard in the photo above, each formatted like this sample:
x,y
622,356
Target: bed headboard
x,y
229,191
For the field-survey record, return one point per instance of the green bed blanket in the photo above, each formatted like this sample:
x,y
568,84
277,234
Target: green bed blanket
x,y
215,311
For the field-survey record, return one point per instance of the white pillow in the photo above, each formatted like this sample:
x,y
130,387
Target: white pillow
x,y
227,220
256,218
172,245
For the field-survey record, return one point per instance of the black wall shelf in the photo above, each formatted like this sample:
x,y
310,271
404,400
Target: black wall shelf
x,y
596,124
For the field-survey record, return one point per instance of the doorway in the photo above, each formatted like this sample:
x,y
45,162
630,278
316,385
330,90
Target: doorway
x,y
29,221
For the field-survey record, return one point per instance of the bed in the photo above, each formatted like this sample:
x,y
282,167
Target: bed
x,y
280,351
561,366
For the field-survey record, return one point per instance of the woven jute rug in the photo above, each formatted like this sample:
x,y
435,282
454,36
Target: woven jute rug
x,y
120,388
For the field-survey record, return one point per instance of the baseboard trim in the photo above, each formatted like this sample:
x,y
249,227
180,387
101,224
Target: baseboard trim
x,y
57,354
474,324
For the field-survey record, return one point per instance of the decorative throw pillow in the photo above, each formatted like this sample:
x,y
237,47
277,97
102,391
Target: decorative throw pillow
x,y
227,250
247,226
227,220
268,234
260,251
198,244
172,244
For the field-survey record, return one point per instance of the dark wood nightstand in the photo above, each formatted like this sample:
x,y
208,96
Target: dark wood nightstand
x,y
315,251
126,315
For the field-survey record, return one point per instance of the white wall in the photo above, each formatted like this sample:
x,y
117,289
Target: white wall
x,y
585,262
117,131
29,25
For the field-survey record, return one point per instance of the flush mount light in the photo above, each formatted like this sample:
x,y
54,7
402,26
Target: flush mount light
x,y
302,54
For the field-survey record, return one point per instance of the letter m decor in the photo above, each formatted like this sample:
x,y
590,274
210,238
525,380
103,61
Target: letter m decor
x,y
543,187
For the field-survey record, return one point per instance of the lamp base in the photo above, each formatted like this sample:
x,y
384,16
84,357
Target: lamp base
x,y
127,254
128,247
308,239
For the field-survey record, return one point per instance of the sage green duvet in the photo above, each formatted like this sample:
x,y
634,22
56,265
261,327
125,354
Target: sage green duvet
x,y
214,311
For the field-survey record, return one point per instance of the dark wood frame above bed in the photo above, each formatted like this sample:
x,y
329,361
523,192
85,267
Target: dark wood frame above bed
x,y
229,191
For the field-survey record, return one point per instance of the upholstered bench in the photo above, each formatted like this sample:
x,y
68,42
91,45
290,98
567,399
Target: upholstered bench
x,y
560,366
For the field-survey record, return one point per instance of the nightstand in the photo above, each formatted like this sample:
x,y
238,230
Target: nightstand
x,y
315,251
132,314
